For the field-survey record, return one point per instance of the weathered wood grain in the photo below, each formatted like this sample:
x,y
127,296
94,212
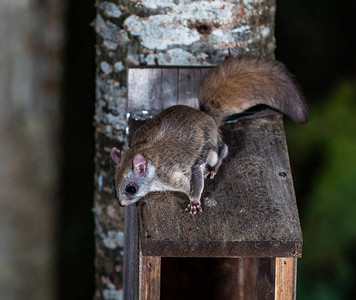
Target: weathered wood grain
x,y
189,82
145,89
255,279
249,209
285,278
150,277
169,87
154,89
131,253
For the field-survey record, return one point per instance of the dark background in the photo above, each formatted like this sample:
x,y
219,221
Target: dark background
x,y
315,39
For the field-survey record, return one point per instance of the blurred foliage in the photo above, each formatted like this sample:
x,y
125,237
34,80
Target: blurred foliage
x,y
316,40
323,159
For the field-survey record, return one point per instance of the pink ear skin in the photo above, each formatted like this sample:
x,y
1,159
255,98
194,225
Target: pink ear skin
x,y
115,155
139,164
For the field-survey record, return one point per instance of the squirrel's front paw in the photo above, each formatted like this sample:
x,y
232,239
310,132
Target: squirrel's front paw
x,y
194,208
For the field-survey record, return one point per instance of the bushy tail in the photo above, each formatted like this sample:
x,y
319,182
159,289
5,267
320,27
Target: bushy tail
x,y
240,83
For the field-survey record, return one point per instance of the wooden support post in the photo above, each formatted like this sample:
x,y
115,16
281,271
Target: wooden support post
x,y
131,254
285,278
150,277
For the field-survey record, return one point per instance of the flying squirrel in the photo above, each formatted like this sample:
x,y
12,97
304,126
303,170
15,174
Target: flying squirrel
x,y
181,146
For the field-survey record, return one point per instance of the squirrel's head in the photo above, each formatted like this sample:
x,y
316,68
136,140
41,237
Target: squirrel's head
x,y
133,176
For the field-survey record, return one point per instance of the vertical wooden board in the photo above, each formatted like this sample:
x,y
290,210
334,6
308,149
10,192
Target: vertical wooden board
x,y
285,278
131,253
203,72
189,82
144,91
255,279
169,87
157,89
150,277
258,278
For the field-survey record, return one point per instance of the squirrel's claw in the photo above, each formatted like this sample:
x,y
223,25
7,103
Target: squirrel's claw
x,y
210,174
194,208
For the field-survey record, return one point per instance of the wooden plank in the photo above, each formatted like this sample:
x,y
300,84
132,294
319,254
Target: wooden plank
x,y
150,277
203,72
285,278
159,88
144,89
169,87
131,253
244,279
256,279
189,82
249,209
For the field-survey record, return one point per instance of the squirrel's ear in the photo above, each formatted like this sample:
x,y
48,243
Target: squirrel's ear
x,y
115,155
139,164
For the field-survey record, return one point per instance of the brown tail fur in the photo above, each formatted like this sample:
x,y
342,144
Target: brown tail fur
x,y
242,82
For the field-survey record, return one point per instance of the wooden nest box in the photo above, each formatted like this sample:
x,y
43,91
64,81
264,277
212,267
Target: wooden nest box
x,y
245,243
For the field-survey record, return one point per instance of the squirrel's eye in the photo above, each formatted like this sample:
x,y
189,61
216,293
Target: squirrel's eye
x,y
131,189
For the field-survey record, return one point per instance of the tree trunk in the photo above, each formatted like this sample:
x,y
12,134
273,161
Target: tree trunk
x,y
153,32
30,48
